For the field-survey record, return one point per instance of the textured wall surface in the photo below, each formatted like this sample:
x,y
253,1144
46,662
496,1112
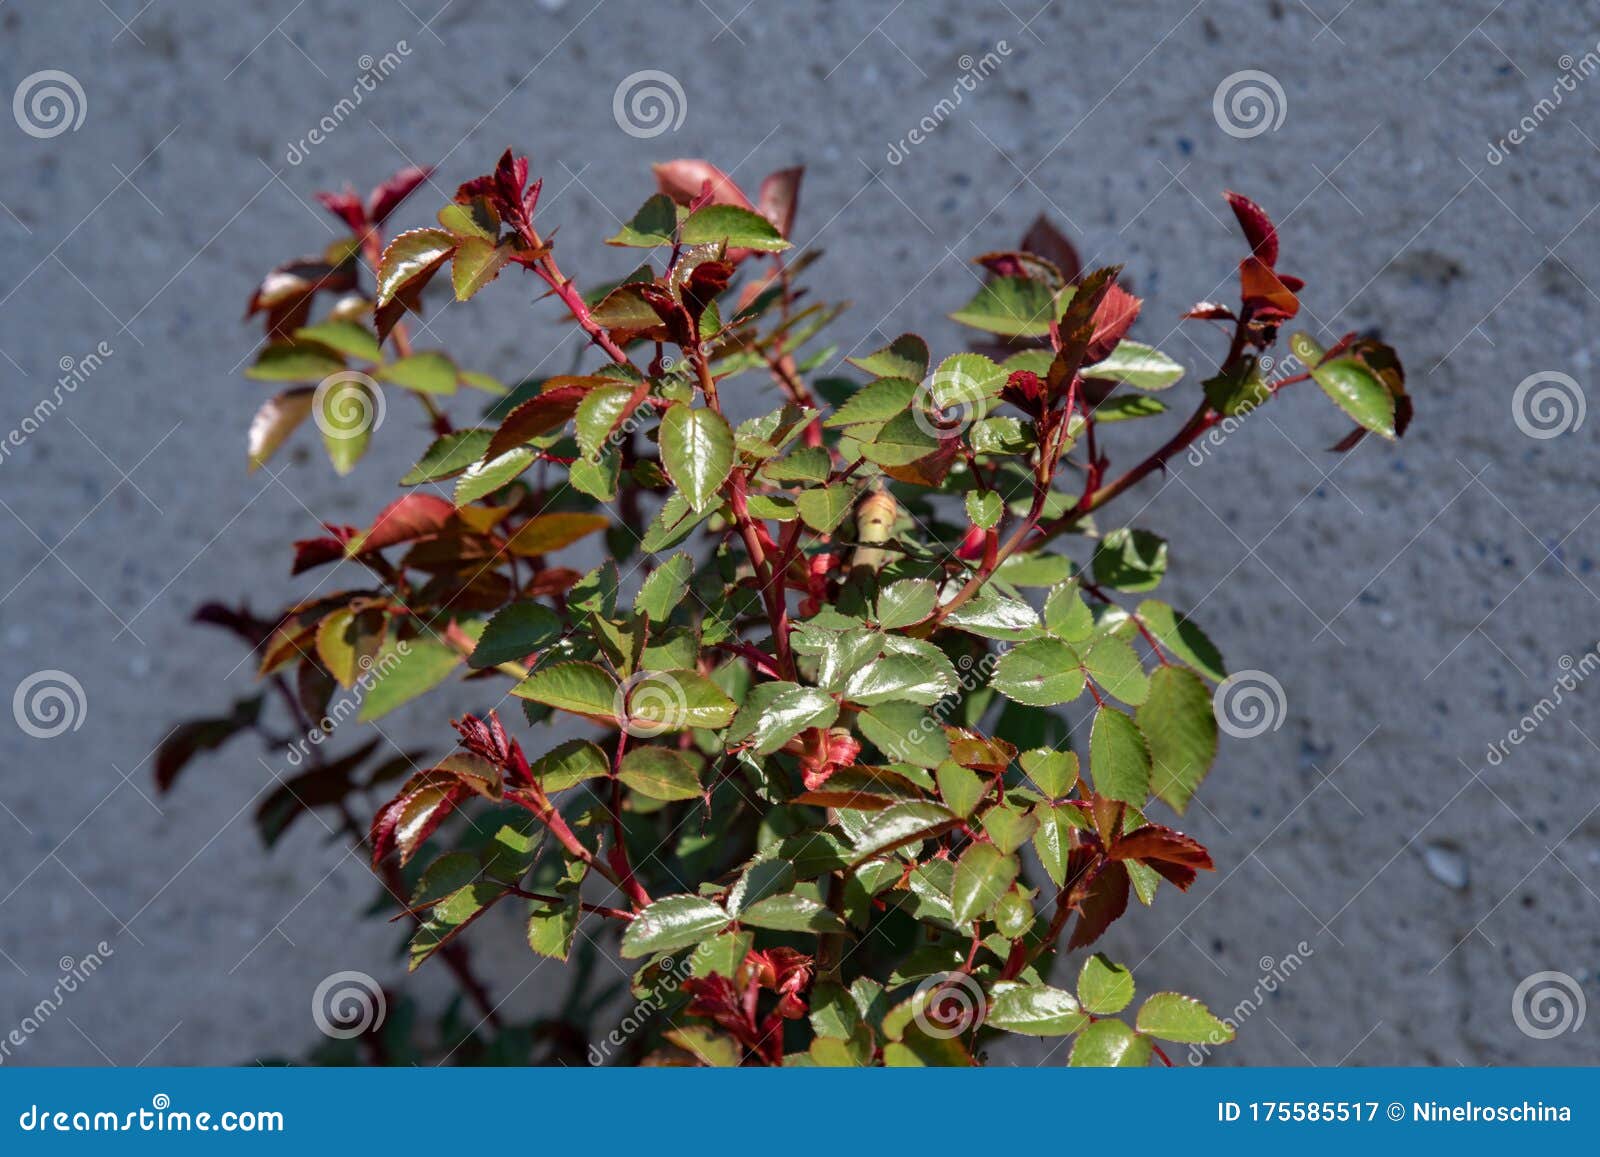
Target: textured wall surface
x,y
1413,601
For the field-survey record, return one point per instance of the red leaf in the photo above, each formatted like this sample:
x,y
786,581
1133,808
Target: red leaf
x,y
1257,226
1265,295
1045,240
310,553
386,198
405,519
1113,318
411,816
549,410
684,180
780,197
1210,311
1104,900
346,206
1176,856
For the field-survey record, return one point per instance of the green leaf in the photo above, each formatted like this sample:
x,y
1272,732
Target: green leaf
x,y
449,455
995,616
740,228
411,255
1011,307
900,604
959,787
905,733
1039,673
1104,987
874,402
910,670
278,417
660,594
407,669
791,913
1053,771
1052,839
1238,389
294,362
1115,666
671,923
477,262
1130,560
983,874
1128,408
654,224
676,700
1183,639
475,219
984,509
824,507
1034,1010
598,414
1066,615
900,441
582,688
697,451
552,928
1119,757
569,764
905,357
1138,365
427,373
1109,1044
1359,393
348,337
673,523
660,773
1178,720
1174,1017
898,825
806,464
515,632
484,478
774,713
1008,828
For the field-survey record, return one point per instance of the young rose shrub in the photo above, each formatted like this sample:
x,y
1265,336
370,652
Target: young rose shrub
x,y
818,778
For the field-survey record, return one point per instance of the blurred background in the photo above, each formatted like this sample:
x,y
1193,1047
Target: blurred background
x,y
1388,892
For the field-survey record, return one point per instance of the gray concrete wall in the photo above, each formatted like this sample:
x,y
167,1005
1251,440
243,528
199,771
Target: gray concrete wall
x,y
1412,601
